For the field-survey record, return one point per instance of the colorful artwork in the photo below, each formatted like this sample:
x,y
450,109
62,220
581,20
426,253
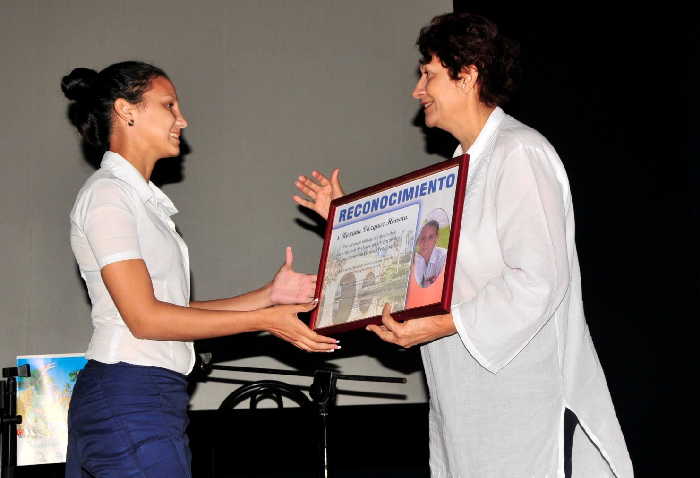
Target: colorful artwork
x,y
42,401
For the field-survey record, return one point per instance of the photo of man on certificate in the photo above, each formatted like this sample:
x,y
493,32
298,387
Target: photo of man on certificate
x,y
430,258
389,244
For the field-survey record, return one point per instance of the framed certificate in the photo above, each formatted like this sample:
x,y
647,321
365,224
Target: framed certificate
x,y
393,243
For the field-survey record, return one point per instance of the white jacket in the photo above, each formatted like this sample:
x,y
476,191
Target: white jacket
x,y
523,353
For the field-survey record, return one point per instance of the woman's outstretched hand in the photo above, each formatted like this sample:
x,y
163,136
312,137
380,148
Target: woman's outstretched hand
x,y
291,287
319,191
282,321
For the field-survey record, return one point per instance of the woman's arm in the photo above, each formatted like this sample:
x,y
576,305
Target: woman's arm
x,y
131,289
287,287
532,203
511,308
253,300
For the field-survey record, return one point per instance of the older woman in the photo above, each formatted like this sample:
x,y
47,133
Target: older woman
x,y
128,412
515,352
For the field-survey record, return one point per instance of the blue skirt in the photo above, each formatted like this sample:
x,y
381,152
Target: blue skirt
x,y
128,421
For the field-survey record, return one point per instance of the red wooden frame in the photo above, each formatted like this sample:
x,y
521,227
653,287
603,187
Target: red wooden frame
x,y
437,308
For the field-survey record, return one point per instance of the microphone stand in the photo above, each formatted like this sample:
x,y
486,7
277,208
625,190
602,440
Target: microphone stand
x,y
323,392
9,419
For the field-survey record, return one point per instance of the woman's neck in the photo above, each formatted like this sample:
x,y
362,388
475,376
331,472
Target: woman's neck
x,y
471,123
143,162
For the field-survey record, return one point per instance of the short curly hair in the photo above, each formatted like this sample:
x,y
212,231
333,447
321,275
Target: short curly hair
x,y
459,40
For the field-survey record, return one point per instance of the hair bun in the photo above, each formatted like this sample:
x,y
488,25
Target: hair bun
x,y
77,85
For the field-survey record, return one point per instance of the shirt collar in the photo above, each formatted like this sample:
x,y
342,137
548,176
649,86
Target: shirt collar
x,y
146,190
485,135
433,255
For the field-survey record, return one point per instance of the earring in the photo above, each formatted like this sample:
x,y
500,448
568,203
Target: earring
x,y
130,122
462,83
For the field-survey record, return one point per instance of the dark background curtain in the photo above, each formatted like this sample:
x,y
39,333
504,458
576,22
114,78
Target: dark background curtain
x,y
605,89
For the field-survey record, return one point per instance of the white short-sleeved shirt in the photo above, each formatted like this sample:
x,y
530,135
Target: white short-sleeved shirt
x,y
118,215
523,353
427,272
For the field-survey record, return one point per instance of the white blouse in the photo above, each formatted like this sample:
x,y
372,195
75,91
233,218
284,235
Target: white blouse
x,y
118,215
523,353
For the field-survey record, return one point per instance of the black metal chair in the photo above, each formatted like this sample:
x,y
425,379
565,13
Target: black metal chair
x,y
263,390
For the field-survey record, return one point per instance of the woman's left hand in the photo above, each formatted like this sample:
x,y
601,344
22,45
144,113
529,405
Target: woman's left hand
x,y
291,287
412,332
319,192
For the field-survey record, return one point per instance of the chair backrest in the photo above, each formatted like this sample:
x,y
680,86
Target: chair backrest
x,y
263,390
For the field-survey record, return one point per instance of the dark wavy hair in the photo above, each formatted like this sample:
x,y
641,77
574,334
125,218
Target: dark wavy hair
x,y
93,95
434,224
463,39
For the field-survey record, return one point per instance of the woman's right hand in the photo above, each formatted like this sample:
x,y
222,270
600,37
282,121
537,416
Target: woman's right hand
x,y
320,192
282,321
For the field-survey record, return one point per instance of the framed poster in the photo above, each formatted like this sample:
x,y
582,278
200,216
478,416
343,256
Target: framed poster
x,y
393,243
42,401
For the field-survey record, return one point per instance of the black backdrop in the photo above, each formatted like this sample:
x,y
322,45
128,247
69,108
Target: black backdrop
x,y
596,85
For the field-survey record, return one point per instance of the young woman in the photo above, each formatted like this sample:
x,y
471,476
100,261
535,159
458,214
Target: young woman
x,y
515,351
128,410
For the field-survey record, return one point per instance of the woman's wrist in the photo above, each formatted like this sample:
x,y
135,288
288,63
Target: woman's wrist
x,y
266,298
267,319
445,324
